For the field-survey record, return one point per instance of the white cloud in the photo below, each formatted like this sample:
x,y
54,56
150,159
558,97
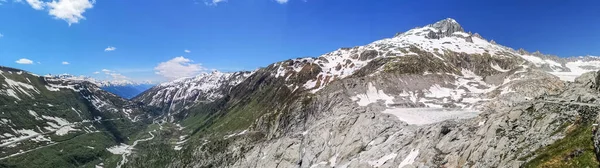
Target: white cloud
x,y
213,2
118,76
106,71
36,4
178,67
65,63
1,35
110,48
186,51
281,1
69,10
113,74
24,61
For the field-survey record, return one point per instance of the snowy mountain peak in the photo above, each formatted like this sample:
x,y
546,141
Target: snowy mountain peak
x,y
447,26
443,28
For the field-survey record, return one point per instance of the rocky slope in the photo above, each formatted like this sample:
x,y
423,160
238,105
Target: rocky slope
x,y
180,94
42,117
434,96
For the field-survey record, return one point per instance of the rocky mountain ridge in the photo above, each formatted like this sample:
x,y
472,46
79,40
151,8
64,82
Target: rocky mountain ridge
x,y
180,94
430,97
444,36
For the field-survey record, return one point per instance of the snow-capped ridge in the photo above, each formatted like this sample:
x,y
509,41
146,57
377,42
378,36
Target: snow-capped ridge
x,y
213,74
439,39
185,92
101,83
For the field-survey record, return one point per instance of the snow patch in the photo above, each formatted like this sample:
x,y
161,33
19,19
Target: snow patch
x,y
410,159
382,160
54,87
119,149
12,93
423,116
65,130
481,123
318,164
539,61
333,160
577,70
371,96
179,144
21,87
34,114
63,126
236,134
498,68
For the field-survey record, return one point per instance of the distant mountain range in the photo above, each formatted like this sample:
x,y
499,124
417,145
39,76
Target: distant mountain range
x,y
123,88
127,91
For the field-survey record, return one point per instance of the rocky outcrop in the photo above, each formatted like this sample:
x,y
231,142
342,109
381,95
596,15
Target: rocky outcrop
x,y
446,27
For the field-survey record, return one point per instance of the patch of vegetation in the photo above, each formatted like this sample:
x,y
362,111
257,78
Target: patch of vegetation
x,y
576,149
157,152
85,150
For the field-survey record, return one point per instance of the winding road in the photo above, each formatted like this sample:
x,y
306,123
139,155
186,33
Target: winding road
x,y
130,148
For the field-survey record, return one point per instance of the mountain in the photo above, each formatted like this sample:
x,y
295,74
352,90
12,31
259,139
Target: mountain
x,y
434,96
124,88
52,121
182,93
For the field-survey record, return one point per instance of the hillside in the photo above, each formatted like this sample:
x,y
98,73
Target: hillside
x,y
434,96
48,121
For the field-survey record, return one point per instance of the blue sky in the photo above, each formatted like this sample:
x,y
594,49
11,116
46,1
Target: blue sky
x,y
150,36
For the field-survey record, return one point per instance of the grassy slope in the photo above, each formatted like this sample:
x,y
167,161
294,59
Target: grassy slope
x,y
562,153
157,152
70,150
75,152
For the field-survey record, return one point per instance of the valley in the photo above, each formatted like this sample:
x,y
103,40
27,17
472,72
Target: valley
x,y
433,96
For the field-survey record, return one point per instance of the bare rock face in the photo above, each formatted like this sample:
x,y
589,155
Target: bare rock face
x,y
477,35
343,134
367,55
366,122
446,27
